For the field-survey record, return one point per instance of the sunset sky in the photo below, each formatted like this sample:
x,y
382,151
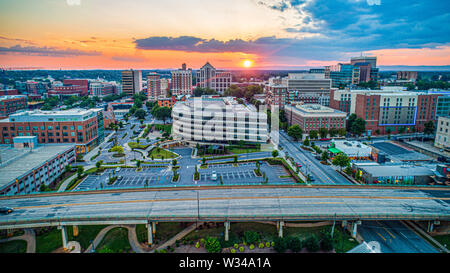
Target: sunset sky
x,y
272,34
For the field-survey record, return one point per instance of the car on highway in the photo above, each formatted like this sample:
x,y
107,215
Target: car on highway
x,y
312,178
299,165
6,210
214,176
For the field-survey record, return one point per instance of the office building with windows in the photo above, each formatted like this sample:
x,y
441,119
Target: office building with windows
x,y
312,117
210,77
131,82
181,80
218,121
77,126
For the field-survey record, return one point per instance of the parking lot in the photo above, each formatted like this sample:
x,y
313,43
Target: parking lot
x,y
244,174
128,177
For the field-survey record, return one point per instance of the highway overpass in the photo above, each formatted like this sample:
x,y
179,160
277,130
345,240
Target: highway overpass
x,y
245,203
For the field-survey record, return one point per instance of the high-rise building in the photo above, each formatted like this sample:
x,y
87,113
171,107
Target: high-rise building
x,y
276,94
131,82
209,77
181,80
165,87
101,89
360,69
153,86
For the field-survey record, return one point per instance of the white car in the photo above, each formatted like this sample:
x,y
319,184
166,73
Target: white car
x,y
214,176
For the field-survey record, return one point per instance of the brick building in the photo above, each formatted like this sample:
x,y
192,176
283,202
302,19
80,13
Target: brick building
x,y
75,126
312,117
11,104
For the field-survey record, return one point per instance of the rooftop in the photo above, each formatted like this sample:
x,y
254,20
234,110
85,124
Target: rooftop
x,y
314,109
398,170
19,161
8,97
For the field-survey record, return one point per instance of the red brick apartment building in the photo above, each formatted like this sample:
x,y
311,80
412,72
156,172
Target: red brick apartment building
x,y
387,111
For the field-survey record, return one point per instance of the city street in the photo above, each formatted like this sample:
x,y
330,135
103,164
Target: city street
x,y
323,174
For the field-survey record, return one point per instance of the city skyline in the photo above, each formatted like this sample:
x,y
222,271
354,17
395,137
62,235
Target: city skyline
x,y
269,34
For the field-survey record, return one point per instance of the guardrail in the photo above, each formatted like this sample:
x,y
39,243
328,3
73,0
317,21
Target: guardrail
x,y
141,219
218,186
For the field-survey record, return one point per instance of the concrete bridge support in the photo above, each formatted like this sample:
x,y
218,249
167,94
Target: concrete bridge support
x,y
64,236
280,229
75,231
355,228
154,227
227,228
150,233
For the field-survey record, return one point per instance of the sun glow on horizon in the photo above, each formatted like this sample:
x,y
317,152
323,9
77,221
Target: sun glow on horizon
x,y
247,63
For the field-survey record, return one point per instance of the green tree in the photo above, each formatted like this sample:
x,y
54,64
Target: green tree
x,y
98,164
358,126
80,171
294,244
323,132
325,156
140,114
341,160
313,134
275,153
117,149
428,128
312,244
295,131
174,162
306,141
251,237
212,245
350,121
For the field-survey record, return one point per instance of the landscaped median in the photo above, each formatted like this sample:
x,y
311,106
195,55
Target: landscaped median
x,y
161,153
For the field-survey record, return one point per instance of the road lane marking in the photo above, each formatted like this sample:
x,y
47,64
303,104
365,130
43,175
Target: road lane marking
x,y
381,236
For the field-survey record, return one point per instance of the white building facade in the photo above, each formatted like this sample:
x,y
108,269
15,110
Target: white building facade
x,y
218,120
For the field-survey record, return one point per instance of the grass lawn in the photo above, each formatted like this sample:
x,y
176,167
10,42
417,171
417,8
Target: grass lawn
x,y
162,152
267,232
51,240
443,240
164,231
116,240
244,150
86,234
345,244
46,242
16,246
135,145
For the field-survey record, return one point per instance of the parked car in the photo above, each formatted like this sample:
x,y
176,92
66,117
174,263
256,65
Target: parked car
x,y
117,169
214,176
6,210
318,157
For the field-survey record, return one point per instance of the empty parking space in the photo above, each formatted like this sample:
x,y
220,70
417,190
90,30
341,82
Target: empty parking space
x,y
127,177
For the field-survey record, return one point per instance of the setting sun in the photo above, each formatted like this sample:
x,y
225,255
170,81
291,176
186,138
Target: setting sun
x,y
248,63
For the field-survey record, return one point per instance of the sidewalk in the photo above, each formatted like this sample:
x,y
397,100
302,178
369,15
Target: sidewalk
x,y
179,236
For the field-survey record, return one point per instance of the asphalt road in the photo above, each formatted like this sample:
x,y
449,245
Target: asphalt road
x,y
289,203
323,174
394,237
